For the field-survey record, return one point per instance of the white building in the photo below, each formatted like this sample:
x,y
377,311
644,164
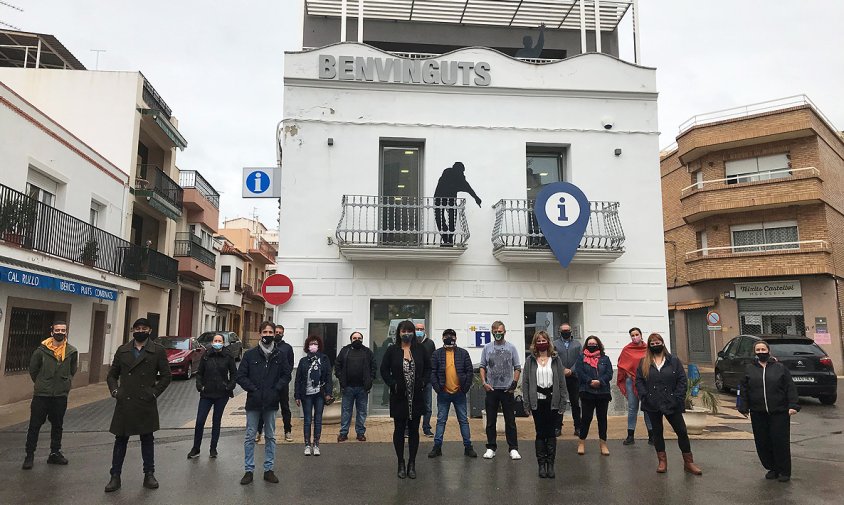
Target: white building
x,y
369,127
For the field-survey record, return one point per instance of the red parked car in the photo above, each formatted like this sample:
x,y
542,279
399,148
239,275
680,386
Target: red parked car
x,y
183,354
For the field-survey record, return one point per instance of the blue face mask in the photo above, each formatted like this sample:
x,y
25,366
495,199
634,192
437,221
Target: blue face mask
x,y
217,346
420,334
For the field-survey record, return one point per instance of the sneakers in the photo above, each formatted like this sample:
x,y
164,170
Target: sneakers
x,y
514,454
428,433
361,438
56,458
28,461
149,481
246,479
436,452
113,484
342,438
193,453
212,453
269,476
489,454
307,450
288,437
315,450
469,452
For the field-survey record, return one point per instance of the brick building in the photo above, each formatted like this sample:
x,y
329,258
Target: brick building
x,y
753,206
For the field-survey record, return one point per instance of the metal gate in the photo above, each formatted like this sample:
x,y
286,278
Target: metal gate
x,y
700,350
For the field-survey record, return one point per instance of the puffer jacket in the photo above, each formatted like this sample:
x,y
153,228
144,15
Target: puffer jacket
x,y
663,390
767,389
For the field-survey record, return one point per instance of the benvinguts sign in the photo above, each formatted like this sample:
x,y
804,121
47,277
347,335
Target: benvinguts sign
x,y
406,71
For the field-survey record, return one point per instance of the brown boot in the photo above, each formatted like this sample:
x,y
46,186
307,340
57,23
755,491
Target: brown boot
x,y
581,447
604,449
662,467
689,464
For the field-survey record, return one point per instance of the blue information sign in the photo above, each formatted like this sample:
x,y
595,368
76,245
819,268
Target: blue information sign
x,y
41,281
562,211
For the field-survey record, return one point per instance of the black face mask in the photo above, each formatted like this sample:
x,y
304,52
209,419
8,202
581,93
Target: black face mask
x,y
357,344
58,337
278,338
267,339
592,348
140,336
763,356
565,335
657,349
407,337
449,341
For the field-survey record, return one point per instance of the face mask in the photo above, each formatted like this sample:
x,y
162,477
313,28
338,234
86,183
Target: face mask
x,y
565,334
357,344
593,348
763,356
59,336
278,338
498,336
657,348
140,336
217,346
449,341
542,346
267,339
637,340
313,348
420,335
407,337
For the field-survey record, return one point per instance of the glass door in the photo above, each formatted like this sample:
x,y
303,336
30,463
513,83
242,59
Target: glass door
x,y
400,198
542,168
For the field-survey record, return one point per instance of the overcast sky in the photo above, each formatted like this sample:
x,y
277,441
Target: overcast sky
x,y
218,64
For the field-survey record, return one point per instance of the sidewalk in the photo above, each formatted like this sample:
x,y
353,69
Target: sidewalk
x,y
18,412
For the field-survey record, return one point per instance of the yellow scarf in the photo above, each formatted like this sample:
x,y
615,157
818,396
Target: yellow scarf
x,y
58,349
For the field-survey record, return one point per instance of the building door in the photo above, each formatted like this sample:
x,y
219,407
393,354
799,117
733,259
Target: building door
x,y
400,198
548,318
98,325
186,313
699,347
327,330
385,316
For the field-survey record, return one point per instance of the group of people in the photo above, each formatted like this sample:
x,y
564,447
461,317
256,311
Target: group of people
x,y
557,372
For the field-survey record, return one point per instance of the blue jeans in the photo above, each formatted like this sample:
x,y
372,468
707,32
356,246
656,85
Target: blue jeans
x,y
633,407
444,402
205,405
312,406
252,418
426,419
358,397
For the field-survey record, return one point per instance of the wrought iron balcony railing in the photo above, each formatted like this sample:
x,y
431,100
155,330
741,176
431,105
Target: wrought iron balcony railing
x,y
143,263
191,179
402,222
516,227
188,244
152,178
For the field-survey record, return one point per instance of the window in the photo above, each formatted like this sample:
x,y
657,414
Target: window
x,y
702,242
745,347
27,328
399,204
225,277
765,236
40,194
543,166
96,211
238,279
41,187
762,168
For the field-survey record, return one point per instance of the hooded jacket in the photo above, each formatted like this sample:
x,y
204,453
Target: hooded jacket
x,y
768,389
51,376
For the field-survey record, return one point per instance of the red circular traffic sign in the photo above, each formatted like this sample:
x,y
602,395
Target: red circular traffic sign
x,y
277,289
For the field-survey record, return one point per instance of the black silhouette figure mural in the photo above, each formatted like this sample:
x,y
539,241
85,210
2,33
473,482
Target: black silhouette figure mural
x,y
529,50
452,181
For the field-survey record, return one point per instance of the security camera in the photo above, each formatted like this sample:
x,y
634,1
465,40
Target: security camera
x,y
607,122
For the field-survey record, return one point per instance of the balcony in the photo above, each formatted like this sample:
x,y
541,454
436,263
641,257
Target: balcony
x,y
201,200
516,237
804,257
264,252
195,261
250,293
30,224
150,266
765,190
402,228
159,191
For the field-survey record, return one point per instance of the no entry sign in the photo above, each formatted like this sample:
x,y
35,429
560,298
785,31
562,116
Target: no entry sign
x,y
277,289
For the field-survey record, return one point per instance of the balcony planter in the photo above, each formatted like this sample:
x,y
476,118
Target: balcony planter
x,y
90,253
17,221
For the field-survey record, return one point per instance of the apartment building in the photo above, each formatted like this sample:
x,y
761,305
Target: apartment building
x,y
753,208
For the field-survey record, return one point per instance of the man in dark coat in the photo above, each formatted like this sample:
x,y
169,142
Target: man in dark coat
x,y
452,181
139,374
355,369
52,367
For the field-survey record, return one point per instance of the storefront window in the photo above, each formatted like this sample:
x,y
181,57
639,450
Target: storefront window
x,y
27,328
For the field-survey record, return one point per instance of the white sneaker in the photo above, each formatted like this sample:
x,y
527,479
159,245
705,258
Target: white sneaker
x,y
489,454
307,450
288,437
514,454
316,450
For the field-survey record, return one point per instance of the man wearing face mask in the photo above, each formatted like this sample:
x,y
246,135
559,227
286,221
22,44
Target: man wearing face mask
x,y
429,347
451,378
500,372
355,369
138,375
570,351
52,367
286,350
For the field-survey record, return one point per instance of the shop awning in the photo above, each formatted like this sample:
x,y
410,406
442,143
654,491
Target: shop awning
x,y
693,304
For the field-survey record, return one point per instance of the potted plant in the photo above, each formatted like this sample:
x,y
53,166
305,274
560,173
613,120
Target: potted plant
x,y
695,416
7,219
331,413
18,220
90,252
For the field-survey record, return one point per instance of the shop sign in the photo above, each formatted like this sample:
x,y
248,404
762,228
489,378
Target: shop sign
x,y
772,289
41,281
404,70
480,333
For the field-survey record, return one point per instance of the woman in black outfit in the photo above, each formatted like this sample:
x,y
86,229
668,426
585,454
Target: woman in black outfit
x,y
215,382
769,395
661,383
406,370
594,372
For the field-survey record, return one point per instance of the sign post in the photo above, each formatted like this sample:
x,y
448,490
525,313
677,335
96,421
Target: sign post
x,y
277,289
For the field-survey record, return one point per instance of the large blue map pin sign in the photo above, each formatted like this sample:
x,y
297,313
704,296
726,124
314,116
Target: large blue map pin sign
x,y
562,211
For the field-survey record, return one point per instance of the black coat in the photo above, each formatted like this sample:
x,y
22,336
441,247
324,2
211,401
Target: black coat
x,y
217,375
138,383
664,390
326,385
263,378
773,395
341,365
392,373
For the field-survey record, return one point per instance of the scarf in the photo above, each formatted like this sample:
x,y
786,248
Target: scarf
x,y
630,357
58,349
591,358
267,349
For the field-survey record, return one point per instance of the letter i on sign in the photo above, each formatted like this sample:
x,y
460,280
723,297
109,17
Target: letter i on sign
x,y
562,207
258,182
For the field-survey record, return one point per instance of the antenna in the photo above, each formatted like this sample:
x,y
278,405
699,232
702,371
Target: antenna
x,y
98,51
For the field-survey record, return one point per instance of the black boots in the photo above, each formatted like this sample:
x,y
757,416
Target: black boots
x,y
113,484
411,469
28,461
629,440
402,472
550,456
541,457
149,481
56,458
437,451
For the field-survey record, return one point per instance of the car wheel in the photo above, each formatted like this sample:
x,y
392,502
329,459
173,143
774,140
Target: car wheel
x,y
719,383
828,399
